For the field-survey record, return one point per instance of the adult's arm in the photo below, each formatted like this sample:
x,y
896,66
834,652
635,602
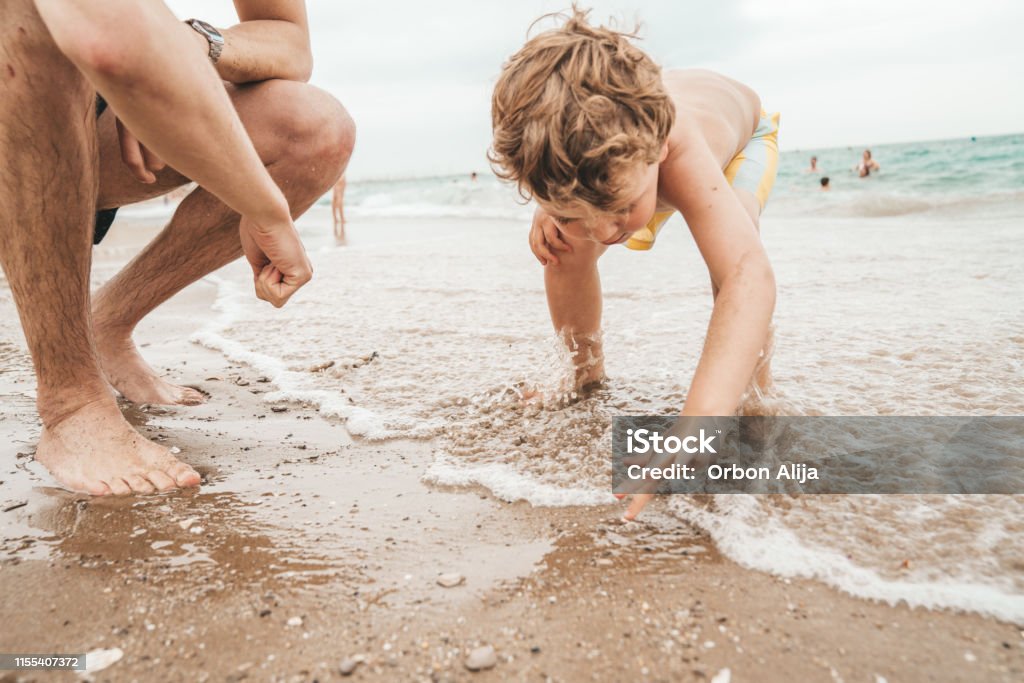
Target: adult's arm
x,y
271,41
144,63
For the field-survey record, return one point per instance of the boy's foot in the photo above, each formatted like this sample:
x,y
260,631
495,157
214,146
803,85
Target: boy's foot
x,y
129,373
95,451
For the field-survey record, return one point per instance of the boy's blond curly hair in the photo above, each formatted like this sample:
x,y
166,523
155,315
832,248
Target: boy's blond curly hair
x,y
573,109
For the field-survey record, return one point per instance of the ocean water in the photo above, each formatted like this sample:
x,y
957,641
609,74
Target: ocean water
x,y
945,176
899,294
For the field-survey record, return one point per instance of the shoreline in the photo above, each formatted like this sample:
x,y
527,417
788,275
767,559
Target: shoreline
x,y
305,547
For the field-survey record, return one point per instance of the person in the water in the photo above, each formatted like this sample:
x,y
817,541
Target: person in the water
x,y
867,164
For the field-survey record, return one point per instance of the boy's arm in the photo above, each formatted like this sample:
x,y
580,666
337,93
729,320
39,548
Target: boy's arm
x,y
168,95
694,183
738,265
573,289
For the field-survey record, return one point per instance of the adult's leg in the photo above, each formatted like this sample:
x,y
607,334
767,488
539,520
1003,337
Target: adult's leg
x,y
305,138
48,184
574,300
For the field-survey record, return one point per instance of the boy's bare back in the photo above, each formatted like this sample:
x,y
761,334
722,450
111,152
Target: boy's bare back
x,y
709,106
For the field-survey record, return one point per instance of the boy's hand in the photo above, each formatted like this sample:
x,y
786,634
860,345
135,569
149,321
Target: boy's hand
x,y
278,260
641,491
637,503
546,239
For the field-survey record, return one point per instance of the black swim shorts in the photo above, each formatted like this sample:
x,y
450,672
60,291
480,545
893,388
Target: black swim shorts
x,y
104,218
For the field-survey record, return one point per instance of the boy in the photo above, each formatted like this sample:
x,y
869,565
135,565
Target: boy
x,y
610,147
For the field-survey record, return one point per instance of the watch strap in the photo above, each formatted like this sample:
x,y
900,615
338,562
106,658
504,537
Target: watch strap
x,y
213,37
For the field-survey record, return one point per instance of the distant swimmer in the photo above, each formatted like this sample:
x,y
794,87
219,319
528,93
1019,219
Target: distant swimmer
x,y
338,208
472,176
825,187
867,165
814,168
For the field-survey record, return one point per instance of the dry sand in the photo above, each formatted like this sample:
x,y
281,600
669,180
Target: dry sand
x,y
304,548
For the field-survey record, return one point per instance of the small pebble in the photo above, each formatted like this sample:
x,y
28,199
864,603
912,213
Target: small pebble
x,y
723,676
693,550
97,660
481,658
295,621
450,580
350,664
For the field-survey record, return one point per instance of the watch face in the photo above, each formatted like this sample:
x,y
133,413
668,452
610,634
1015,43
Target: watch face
x,y
210,32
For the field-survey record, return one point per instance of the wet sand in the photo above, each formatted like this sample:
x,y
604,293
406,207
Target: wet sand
x,y
304,548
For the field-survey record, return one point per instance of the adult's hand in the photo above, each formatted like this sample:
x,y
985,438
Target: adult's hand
x,y
278,260
143,164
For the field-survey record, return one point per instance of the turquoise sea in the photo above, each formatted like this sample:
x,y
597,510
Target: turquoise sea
x,y
964,174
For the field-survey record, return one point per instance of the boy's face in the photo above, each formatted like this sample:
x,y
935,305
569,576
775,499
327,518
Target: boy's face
x,y
616,227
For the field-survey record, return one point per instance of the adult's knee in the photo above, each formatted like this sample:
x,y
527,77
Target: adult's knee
x,y
33,66
316,129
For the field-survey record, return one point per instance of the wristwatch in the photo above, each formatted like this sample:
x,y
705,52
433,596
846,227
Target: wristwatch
x,y
212,35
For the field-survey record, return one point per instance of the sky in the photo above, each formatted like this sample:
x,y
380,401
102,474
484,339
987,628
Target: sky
x,y
417,75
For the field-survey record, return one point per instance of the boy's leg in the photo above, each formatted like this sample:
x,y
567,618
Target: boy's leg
x,y
305,138
574,300
48,183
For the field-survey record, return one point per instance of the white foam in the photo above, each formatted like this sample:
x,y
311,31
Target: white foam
x,y
744,534
509,485
291,386
438,211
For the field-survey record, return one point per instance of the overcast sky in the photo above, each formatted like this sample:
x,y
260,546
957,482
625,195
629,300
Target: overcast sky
x,y
417,75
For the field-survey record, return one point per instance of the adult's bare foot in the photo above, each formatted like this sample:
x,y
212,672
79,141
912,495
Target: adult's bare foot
x,y
95,451
129,373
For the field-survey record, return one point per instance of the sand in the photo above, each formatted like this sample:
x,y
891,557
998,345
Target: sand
x,y
305,548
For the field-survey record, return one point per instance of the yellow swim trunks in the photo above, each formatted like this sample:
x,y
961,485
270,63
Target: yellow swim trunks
x,y
753,169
